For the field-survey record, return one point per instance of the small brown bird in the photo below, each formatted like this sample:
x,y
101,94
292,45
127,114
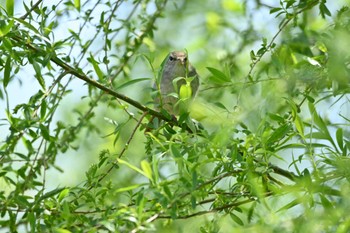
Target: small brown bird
x,y
178,82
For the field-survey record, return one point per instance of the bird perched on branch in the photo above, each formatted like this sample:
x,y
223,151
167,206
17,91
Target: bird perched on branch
x,y
177,83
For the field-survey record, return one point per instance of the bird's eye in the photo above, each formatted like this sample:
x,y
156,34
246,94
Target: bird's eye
x,y
171,58
185,59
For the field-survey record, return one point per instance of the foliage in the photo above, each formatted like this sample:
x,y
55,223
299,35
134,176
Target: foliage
x,y
268,151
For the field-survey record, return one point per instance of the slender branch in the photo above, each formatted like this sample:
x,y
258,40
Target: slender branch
x,y
123,150
132,135
82,76
282,172
270,45
217,209
31,10
255,62
240,83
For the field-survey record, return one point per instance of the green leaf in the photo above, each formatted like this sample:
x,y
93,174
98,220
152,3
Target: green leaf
x,y
63,194
10,5
289,205
128,188
38,75
339,136
273,10
252,55
28,145
146,168
133,81
174,151
190,124
321,125
167,191
218,76
325,202
155,167
276,118
77,4
236,219
31,219
133,167
49,194
299,125
220,105
7,72
278,134
185,91
27,25
45,132
43,107
290,3
251,212
61,230
324,10
5,27
96,67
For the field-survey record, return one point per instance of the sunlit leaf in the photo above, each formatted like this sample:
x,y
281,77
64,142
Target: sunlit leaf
x,y
128,188
63,194
5,27
146,168
77,4
10,5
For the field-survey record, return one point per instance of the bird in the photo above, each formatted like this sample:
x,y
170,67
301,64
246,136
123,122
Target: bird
x,y
177,83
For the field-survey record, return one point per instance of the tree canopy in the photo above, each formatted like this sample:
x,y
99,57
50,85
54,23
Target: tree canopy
x,y
263,148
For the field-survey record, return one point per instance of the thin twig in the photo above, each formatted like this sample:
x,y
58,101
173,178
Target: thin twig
x,y
82,76
255,62
123,150
30,10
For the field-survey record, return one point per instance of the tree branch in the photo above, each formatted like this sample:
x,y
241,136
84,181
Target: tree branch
x,y
31,10
69,69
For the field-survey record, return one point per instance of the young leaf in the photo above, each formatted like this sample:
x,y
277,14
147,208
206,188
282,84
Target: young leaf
x,y
96,67
5,28
290,205
324,10
138,170
299,125
44,132
10,5
7,72
38,75
146,168
273,10
77,4
339,136
218,76
185,91
128,188
279,134
133,81
63,194
174,151
236,219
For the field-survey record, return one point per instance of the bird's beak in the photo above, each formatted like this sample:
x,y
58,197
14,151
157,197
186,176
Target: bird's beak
x,y
183,61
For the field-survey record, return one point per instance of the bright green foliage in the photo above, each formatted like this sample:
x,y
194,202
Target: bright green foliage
x,y
83,149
